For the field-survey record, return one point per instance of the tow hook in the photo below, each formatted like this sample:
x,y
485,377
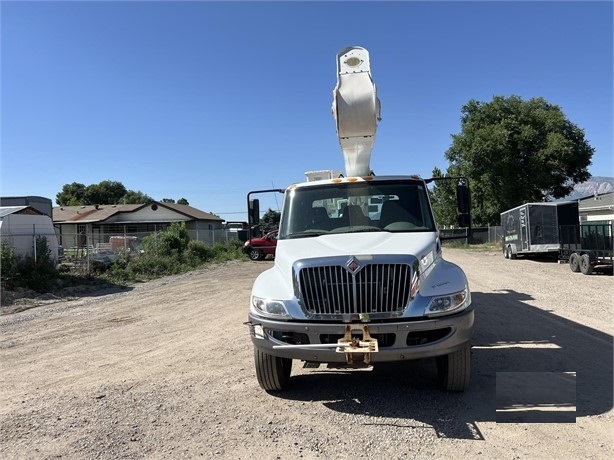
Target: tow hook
x,y
352,346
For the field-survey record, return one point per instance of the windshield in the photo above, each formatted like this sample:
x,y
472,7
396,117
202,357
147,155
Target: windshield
x,y
350,207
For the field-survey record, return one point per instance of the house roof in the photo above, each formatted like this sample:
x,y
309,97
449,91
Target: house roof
x,y
8,210
190,211
101,213
605,201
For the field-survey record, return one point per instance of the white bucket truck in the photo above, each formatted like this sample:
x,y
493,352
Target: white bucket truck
x,y
359,277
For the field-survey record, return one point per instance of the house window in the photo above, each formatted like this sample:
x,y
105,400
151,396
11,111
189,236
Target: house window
x,y
80,228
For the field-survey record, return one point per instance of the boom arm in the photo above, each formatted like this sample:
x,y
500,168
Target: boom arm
x,y
356,109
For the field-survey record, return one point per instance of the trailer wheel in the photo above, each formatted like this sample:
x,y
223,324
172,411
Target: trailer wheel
x,y
574,262
512,255
273,372
585,264
454,369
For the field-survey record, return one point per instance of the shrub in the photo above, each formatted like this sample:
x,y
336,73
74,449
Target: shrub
x,y
37,274
173,240
198,253
228,251
8,266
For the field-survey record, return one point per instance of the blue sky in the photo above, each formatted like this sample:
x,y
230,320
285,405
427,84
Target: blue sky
x,y
209,100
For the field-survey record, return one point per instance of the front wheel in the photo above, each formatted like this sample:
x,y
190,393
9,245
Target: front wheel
x,y
255,254
454,370
273,372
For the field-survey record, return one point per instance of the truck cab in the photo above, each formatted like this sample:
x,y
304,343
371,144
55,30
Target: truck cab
x,y
359,278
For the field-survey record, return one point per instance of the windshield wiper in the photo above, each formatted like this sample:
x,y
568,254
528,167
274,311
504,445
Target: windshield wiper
x,y
306,234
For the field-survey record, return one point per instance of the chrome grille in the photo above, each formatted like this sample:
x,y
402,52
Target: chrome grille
x,y
375,288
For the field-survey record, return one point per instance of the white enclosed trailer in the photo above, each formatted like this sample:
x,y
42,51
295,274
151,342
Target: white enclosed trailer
x,y
20,226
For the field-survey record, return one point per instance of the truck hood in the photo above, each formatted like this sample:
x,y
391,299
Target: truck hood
x,y
355,244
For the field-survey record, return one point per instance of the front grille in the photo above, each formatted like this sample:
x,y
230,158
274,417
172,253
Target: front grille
x,y
375,288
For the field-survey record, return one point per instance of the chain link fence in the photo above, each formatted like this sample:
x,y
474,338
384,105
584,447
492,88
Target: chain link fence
x,y
85,252
24,245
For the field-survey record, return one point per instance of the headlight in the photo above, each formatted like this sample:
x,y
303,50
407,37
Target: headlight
x,y
268,307
443,305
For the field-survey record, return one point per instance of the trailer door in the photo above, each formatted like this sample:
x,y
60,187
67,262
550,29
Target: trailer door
x,y
524,228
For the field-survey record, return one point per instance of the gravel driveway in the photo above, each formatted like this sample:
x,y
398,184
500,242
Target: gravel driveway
x,y
165,370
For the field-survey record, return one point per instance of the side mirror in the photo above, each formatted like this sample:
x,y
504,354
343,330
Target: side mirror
x,y
254,212
464,220
463,202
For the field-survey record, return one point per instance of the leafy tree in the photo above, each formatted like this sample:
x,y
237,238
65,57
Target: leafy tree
x,y
135,197
71,195
270,220
517,151
443,199
171,200
105,192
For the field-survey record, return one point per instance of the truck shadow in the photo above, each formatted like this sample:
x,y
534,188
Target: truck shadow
x,y
511,337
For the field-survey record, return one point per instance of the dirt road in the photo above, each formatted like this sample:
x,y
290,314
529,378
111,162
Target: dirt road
x,y
165,370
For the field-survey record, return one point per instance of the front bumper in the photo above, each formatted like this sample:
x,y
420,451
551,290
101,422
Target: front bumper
x,y
397,340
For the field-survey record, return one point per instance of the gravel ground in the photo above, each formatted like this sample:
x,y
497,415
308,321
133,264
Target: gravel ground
x,y
164,369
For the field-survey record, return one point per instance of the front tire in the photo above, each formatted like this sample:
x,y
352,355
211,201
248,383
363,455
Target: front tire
x,y
255,254
454,370
273,372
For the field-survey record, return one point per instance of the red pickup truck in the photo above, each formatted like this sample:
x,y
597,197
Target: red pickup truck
x,y
259,248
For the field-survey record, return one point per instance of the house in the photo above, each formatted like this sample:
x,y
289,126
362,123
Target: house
x,y
93,225
20,226
597,208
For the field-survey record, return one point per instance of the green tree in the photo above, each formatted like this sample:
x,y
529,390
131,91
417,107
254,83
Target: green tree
x,y
71,195
443,199
171,200
105,192
517,151
135,197
270,220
